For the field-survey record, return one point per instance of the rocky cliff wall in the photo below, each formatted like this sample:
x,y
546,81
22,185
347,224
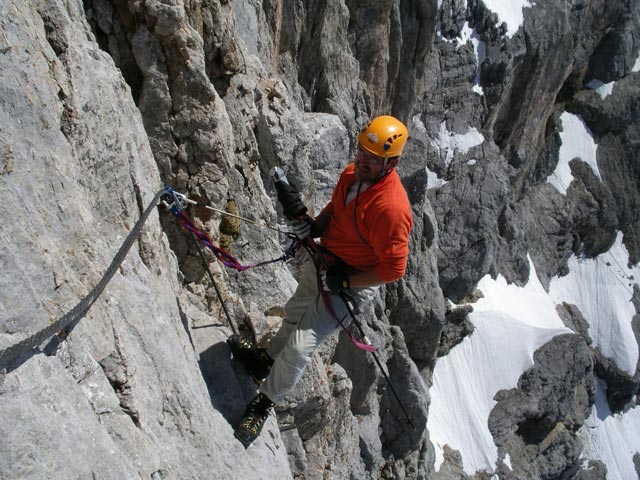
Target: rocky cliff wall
x,y
103,102
123,396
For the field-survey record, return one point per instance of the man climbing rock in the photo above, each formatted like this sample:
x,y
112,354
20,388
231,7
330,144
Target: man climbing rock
x,y
364,237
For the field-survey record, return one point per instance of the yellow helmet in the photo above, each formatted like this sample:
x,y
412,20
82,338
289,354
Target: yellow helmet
x,y
384,136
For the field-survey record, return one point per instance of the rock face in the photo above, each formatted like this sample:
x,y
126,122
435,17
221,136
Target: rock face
x,y
104,102
535,423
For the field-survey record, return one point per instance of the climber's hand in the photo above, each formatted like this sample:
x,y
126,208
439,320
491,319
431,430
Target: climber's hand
x,y
302,227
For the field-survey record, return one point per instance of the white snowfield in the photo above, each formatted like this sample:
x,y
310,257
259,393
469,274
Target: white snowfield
x,y
510,12
511,323
602,289
577,142
612,439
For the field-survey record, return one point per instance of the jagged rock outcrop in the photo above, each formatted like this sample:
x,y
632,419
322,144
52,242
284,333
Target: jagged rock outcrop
x,y
614,123
102,102
535,423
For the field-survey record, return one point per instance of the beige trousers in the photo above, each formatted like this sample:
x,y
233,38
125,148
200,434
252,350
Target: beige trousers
x,y
308,323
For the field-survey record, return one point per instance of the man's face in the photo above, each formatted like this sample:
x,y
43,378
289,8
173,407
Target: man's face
x,y
368,167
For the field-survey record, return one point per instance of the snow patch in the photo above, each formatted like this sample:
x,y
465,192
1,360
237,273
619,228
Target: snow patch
x,y
492,358
602,289
510,12
450,143
470,35
612,439
511,323
433,181
602,89
467,34
577,141
636,66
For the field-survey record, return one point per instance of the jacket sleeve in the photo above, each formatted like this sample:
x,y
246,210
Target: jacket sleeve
x,y
390,230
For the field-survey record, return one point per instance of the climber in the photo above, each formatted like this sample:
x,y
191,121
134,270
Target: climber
x,y
364,236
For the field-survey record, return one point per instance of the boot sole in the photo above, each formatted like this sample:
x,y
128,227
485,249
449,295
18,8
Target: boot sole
x,y
246,443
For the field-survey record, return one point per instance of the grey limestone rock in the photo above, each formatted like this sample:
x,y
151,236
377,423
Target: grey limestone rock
x,y
102,103
536,422
123,396
456,327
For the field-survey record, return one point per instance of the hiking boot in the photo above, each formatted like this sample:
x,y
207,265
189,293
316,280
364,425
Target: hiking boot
x,y
253,419
255,360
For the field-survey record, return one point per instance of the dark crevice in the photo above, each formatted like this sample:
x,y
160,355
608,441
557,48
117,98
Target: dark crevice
x,y
116,372
57,39
534,430
114,25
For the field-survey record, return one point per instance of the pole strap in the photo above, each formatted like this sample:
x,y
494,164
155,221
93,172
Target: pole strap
x,y
366,343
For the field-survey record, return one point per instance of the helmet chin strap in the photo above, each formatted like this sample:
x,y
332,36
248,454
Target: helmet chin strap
x,y
385,170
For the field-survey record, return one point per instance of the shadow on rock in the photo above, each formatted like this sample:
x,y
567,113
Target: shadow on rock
x,y
230,387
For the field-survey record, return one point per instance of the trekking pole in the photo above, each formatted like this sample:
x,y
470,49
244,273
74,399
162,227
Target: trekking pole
x,y
377,360
298,210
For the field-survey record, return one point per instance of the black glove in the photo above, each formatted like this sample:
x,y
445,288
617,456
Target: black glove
x,y
289,198
334,280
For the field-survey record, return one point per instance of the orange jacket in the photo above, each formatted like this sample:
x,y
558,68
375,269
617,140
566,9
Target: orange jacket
x,y
371,231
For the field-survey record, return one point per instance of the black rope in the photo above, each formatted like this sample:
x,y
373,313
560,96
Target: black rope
x,y
64,325
377,360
